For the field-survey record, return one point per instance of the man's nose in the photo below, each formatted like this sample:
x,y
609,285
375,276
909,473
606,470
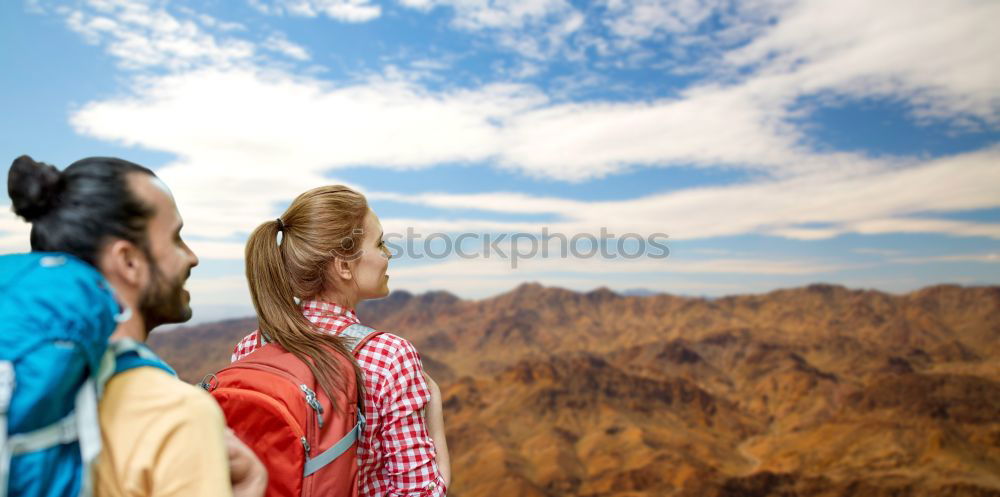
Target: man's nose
x,y
192,257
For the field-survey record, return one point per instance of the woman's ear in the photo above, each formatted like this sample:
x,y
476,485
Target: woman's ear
x,y
341,268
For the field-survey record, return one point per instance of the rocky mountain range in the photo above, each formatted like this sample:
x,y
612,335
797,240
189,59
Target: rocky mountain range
x,y
815,391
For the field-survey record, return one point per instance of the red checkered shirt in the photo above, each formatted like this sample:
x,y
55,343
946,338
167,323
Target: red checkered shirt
x,y
396,456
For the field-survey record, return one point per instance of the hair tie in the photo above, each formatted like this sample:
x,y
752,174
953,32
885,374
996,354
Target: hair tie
x,y
281,225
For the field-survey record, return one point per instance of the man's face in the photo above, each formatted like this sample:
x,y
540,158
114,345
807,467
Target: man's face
x,y
164,299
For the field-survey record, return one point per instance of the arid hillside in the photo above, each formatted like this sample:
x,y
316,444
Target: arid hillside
x,y
815,391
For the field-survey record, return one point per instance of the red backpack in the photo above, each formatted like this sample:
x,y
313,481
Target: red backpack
x,y
273,403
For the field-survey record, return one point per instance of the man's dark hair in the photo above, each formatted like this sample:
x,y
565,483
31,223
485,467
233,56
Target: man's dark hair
x,y
78,210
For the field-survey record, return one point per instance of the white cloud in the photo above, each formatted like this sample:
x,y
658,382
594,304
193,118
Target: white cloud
x,y
142,36
145,35
641,19
280,44
485,277
218,290
537,29
249,137
234,127
876,251
208,249
923,225
230,150
482,267
212,22
691,34
14,232
710,251
305,127
304,124
34,6
205,114
341,10
493,14
934,55
217,297
893,201
743,125
709,126
989,257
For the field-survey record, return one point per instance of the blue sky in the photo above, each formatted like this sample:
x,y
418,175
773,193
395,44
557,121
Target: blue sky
x,y
776,142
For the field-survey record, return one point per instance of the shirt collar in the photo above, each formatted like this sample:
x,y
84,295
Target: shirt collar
x,y
321,309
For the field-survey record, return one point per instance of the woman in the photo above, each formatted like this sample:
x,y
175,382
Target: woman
x,y
322,257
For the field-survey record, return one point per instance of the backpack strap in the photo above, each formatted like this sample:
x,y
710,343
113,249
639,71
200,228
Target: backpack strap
x,y
6,393
130,354
262,338
88,431
80,425
329,455
357,335
63,431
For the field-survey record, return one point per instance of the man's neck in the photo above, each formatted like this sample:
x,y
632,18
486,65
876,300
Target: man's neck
x,y
134,328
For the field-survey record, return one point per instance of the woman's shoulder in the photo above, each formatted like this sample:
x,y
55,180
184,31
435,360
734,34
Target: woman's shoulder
x,y
388,344
386,352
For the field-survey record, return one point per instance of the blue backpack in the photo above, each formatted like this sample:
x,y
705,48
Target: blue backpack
x,y
56,314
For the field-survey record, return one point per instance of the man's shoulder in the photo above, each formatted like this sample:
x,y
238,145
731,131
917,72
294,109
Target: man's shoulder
x,y
152,388
159,429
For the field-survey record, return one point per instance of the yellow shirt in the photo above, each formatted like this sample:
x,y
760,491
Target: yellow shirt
x,y
162,438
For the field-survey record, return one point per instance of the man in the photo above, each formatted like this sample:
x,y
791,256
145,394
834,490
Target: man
x,y
162,437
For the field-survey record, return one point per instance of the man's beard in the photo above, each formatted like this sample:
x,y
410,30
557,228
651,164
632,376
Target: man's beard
x,y
163,300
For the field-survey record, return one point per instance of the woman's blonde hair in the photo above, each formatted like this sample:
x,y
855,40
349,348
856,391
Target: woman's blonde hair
x,y
321,224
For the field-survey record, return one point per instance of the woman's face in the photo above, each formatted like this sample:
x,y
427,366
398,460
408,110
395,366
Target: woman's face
x,y
370,266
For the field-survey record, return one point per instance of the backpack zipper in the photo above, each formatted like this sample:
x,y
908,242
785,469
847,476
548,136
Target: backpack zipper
x,y
313,402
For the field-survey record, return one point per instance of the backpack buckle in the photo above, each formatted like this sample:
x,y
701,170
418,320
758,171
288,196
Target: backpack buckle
x,y
209,382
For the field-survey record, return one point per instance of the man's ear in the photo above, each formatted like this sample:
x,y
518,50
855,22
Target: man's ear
x,y
124,262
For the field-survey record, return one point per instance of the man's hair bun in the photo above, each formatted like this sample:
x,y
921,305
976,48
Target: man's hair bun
x,y
33,187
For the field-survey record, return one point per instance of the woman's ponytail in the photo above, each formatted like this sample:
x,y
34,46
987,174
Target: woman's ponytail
x,y
272,289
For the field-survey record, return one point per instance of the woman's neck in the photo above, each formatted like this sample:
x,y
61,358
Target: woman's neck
x,y
347,300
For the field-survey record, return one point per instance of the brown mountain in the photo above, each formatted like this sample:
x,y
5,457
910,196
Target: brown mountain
x,y
816,391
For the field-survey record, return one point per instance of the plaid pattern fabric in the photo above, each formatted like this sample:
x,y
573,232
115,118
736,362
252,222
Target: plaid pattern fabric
x,y
396,456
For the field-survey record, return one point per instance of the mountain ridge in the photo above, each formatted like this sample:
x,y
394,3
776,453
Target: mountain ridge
x,y
814,391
